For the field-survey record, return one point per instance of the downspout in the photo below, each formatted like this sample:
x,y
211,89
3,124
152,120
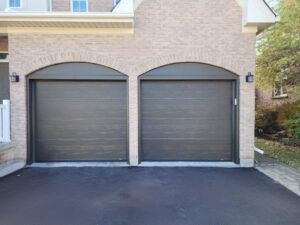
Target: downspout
x,y
259,151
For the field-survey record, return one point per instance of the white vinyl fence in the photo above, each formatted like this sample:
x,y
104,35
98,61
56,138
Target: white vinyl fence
x,y
5,121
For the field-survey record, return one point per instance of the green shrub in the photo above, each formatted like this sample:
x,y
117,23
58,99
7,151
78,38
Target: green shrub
x,y
293,126
265,120
287,112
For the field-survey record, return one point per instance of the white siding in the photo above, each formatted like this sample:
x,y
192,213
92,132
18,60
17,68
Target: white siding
x,y
28,5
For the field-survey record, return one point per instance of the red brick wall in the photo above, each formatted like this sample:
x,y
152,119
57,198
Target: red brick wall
x,y
265,97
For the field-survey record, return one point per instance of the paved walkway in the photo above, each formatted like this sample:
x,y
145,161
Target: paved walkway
x,y
283,174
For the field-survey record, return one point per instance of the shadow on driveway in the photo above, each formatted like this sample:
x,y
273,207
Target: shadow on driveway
x,y
145,196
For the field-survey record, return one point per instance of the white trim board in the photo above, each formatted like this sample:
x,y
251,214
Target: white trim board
x,y
256,13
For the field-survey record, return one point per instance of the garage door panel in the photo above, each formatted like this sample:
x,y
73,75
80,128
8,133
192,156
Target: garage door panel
x,y
77,90
80,120
79,109
184,150
186,128
88,128
186,120
185,90
81,149
178,110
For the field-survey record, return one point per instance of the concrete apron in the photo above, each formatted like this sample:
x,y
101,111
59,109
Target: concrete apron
x,y
143,164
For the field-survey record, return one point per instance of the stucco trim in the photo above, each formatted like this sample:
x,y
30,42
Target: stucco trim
x,y
62,20
61,30
257,15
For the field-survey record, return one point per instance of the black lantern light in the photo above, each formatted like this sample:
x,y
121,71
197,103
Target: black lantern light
x,y
14,77
249,77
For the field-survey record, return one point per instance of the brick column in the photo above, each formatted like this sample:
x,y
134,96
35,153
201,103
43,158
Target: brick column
x,y
133,115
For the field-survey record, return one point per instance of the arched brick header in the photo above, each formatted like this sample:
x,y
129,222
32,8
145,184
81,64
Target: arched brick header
x,y
69,57
142,64
193,57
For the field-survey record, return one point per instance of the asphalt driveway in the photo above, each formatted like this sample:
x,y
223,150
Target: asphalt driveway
x,y
145,196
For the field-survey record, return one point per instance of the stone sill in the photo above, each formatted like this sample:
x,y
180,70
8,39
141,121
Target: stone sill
x,y
280,97
11,167
6,146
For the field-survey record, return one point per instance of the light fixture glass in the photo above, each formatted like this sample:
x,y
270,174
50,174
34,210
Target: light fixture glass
x,y
14,77
249,77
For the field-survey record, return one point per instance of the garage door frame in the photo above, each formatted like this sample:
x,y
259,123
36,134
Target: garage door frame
x,y
54,73
199,72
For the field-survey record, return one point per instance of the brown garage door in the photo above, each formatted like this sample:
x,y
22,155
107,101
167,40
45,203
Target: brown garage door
x,y
187,120
79,120
4,81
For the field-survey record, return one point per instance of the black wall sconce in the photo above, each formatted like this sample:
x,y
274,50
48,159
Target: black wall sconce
x,y
249,77
14,77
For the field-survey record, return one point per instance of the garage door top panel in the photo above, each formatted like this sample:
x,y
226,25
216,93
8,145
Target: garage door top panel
x,y
74,71
189,71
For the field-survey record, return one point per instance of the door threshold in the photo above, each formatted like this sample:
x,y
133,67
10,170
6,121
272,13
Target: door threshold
x,y
143,164
189,164
78,164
